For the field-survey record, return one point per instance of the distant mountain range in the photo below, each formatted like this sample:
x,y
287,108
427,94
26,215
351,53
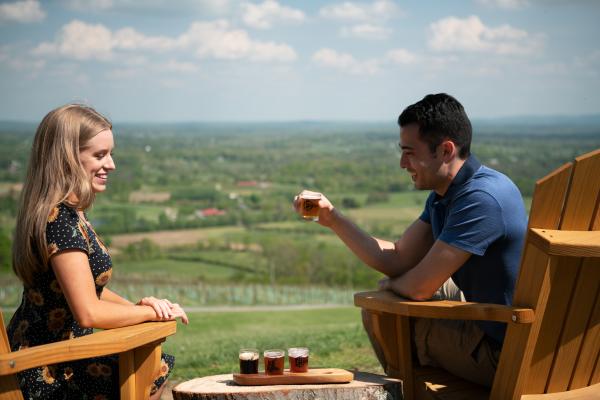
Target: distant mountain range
x,y
588,124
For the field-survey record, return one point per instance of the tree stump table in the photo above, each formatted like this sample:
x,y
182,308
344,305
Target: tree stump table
x,y
365,386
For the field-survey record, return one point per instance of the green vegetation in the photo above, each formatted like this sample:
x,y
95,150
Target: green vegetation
x,y
202,215
234,184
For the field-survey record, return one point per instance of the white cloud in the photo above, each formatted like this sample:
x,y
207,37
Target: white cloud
x,y
471,35
86,5
264,15
22,11
366,31
214,39
218,40
506,4
354,11
401,57
345,62
152,6
80,41
130,39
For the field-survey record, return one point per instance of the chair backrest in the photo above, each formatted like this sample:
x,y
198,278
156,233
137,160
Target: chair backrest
x,y
8,384
559,351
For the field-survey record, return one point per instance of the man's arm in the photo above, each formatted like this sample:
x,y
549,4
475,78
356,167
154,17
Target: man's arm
x,y
422,281
391,258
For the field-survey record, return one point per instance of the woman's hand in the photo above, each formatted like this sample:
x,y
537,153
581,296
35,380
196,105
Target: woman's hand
x,y
177,312
164,309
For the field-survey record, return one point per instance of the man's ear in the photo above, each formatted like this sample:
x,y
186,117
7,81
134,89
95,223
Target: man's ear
x,y
449,150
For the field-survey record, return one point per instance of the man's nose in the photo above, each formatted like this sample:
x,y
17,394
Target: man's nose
x,y
403,162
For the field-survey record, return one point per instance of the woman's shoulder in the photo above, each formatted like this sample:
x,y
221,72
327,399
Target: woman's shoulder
x,y
63,213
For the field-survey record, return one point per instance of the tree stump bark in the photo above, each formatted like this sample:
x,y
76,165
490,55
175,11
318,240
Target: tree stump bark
x,y
365,386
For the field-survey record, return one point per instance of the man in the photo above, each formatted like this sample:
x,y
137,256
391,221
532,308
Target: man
x,y
471,230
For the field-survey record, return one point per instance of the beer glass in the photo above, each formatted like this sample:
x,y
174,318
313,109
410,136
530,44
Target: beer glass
x,y
309,206
248,361
298,357
274,360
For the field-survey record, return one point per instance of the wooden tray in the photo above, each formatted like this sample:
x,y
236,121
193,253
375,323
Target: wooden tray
x,y
314,375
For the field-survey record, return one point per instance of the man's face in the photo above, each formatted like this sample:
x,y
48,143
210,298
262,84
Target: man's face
x,y
418,160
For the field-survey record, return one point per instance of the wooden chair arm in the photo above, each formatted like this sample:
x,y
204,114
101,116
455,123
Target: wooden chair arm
x,y
567,243
110,341
386,301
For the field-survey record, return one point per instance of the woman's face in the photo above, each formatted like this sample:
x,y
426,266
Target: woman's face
x,y
97,161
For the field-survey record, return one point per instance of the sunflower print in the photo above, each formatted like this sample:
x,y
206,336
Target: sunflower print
x,y
103,278
53,214
52,249
93,370
35,297
56,319
55,287
164,368
48,374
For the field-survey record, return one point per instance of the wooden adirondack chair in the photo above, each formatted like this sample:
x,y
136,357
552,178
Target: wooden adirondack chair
x,y
138,347
552,344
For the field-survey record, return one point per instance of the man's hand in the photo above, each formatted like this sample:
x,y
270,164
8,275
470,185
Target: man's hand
x,y
326,209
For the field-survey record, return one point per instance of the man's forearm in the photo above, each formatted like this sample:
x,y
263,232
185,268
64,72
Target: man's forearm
x,y
378,254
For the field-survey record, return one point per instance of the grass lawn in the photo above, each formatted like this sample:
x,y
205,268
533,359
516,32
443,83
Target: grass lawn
x,y
210,344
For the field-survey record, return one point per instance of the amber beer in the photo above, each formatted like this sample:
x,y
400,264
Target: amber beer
x,y
309,205
274,360
248,361
298,357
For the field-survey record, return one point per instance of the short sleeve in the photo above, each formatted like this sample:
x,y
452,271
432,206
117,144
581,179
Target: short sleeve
x,y
474,222
64,231
425,216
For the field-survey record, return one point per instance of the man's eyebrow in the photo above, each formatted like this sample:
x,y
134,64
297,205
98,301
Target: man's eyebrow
x,y
406,147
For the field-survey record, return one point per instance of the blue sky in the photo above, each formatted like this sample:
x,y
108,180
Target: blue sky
x,y
278,60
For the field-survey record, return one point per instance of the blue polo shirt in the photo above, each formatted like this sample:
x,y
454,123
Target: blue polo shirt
x,y
482,213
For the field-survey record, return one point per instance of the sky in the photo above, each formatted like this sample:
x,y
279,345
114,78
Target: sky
x,y
281,60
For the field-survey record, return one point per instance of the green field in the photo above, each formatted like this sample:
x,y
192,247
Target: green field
x,y
209,344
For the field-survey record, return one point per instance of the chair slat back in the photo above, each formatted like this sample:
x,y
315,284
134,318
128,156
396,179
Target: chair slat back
x,y
4,346
572,293
9,389
559,351
546,210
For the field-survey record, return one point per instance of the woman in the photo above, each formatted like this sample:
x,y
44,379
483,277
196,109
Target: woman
x,y
63,264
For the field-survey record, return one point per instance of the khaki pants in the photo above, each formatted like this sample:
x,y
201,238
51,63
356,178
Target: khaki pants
x,y
458,346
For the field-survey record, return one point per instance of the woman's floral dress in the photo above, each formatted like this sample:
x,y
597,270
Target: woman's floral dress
x,y
45,317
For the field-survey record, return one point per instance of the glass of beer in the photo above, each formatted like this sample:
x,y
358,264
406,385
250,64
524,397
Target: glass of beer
x,y
309,206
298,357
274,360
248,361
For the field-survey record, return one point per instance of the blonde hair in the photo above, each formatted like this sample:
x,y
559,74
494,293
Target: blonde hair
x,y
54,175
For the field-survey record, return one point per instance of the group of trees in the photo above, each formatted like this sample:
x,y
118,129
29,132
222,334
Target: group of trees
x,y
201,167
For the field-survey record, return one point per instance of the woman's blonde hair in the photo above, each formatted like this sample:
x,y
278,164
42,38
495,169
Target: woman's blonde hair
x,y
54,175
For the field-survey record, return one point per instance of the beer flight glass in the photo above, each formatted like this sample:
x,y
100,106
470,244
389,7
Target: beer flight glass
x,y
274,360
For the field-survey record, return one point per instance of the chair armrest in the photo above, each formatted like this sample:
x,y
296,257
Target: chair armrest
x,y
566,243
110,341
386,301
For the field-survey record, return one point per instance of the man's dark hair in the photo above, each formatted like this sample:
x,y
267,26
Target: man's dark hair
x,y
440,117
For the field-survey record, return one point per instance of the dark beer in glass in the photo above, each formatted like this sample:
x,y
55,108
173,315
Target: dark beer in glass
x,y
248,361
